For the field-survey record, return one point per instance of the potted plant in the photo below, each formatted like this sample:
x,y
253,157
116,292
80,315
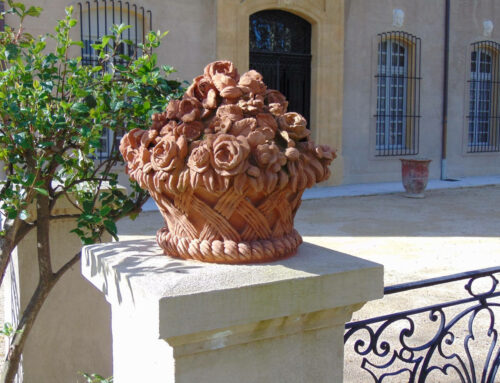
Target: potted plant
x,y
227,166
415,174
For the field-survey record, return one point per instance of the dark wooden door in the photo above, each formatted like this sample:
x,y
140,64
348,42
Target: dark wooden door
x,y
280,49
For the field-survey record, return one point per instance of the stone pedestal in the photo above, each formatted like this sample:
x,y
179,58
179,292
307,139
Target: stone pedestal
x,y
186,321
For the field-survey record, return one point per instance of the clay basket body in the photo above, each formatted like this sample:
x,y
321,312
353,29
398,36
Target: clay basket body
x,y
229,227
227,166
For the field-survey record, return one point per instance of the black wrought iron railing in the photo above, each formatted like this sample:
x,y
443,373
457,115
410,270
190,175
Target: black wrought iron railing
x,y
454,341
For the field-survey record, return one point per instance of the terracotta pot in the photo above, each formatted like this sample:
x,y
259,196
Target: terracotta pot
x,y
415,173
227,166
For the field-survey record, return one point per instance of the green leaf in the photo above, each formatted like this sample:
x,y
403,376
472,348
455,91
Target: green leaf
x,y
80,108
90,101
111,228
105,210
42,191
11,51
88,206
34,11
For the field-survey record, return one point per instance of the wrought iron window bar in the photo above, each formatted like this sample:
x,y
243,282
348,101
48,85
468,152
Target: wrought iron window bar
x,y
483,120
398,94
99,16
448,351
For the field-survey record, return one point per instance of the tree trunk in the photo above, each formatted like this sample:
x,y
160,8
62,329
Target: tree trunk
x,y
11,364
46,281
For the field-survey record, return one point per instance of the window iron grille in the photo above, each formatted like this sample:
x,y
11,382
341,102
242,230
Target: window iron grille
x,y
2,21
398,94
483,119
96,19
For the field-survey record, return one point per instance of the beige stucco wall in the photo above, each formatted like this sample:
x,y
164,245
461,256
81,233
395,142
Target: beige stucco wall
x,y
188,47
72,332
424,19
467,19
364,20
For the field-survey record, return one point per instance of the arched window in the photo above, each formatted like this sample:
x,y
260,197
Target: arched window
x,y
398,94
483,118
96,19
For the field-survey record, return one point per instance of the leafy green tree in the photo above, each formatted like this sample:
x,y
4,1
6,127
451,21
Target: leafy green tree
x,y
53,111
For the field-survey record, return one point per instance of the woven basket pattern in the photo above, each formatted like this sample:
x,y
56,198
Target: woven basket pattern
x,y
233,230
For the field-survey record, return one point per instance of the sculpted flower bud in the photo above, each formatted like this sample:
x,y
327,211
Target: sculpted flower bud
x,y
265,120
277,109
274,96
211,101
222,81
189,110
256,138
325,152
231,92
190,130
244,127
268,157
292,154
199,159
233,112
253,171
148,137
159,120
172,109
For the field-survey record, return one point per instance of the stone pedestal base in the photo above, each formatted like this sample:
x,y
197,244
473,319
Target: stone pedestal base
x,y
186,321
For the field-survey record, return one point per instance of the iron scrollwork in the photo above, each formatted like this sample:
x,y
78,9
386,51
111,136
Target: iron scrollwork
x,y
463,345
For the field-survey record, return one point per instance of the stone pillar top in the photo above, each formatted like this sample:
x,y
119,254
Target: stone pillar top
x,y
212,296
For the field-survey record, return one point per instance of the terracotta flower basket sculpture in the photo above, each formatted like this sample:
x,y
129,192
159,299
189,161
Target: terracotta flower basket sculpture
x,y
227,166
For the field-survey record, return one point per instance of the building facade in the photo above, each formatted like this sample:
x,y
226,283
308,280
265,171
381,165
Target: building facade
x,y
369,75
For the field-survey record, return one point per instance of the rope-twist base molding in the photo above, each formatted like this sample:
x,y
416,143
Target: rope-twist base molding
x,y
227,251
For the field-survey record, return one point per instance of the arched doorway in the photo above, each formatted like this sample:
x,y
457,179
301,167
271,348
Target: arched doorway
x,y
280,49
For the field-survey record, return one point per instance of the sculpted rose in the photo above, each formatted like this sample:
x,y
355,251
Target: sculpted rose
x,y
166,155
229,154
199,159
224,67
199,88
253,81
295,125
